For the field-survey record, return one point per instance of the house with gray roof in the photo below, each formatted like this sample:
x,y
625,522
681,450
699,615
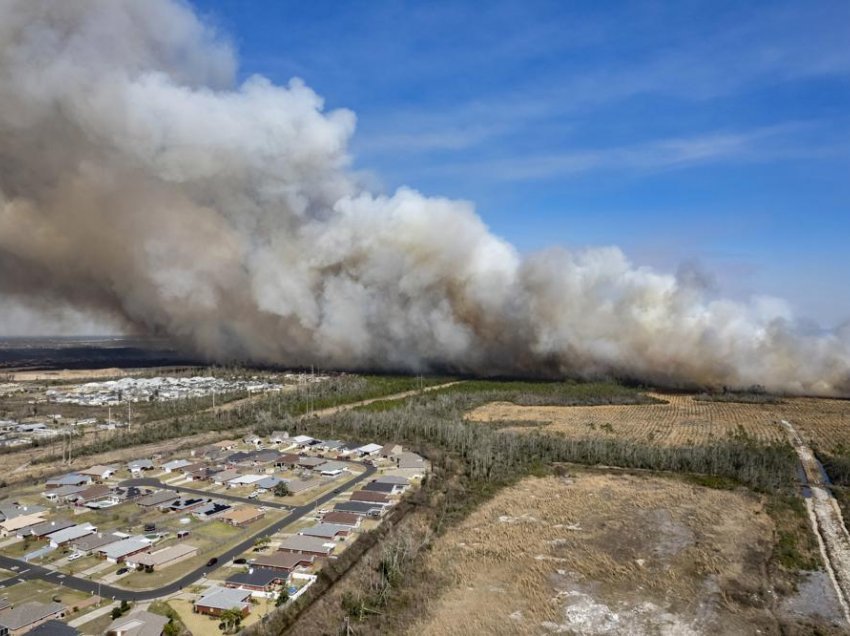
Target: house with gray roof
x,y
138,623
361,508
26,616
300,544
220,599
60,538
119,551
44,528
158,498
326,531
257,579
94,541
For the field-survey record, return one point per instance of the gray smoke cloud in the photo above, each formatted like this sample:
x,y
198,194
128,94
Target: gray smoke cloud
x,y
140,183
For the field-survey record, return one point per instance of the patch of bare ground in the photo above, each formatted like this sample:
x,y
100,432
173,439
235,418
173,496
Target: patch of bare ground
x,y
682,420
610,554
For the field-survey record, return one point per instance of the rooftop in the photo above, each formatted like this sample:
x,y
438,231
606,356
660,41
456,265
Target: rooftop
x,y
224,598
138,623
28,613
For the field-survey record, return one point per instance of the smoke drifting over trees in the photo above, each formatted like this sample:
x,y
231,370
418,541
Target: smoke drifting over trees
x,y
140,183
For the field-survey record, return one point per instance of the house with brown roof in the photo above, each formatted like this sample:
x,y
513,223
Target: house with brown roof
x,y
371,496
242,516
342,519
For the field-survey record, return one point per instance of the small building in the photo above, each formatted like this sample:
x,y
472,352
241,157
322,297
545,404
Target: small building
x,y
27,616
242,516
119,551
288,460
313,546
326,531
63,537
257,579
342,519
218,600
163,558
283,561
138,623
371,496
175,464
99,473
158,498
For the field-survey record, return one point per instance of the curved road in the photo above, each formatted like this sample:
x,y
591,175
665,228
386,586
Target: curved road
x,y
29,570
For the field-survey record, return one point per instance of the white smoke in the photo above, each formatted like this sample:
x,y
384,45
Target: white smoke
x,y
136,180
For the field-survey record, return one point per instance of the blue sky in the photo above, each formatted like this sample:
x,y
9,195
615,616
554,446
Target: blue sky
x,y
712,134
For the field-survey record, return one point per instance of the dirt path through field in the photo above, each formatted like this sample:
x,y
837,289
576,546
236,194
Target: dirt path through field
x,y
826,519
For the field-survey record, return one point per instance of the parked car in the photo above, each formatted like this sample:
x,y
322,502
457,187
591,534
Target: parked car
x,y
212,562
75,556
240,561
122,571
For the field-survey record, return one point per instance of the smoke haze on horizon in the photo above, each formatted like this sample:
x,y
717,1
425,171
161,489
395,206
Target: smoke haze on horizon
x,y
140,185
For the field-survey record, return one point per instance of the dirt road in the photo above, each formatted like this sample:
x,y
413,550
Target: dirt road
x,y
826,519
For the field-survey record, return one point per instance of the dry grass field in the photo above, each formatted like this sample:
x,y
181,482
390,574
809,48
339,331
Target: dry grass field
x,y
682,420
608,554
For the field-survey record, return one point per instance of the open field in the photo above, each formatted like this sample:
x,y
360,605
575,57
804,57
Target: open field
x,y
681,420
600,554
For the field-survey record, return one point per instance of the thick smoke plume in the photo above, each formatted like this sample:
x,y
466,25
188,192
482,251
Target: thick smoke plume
x,y
138,181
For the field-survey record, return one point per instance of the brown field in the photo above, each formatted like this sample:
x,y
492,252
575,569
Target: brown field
x,y
683,421
612,554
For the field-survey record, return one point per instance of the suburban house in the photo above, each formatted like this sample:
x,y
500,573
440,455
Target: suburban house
x,y
92,493
342,519
371,496
71,479
330,445
138,623
185,505
226,444
279,437
255,440
326,531
41,530
392,479
219,600
368,450
288,460
225,476
139,465
242,516
175,464
53,627
119,551
20,523
162,558
362,508
411,464
158,498
283,561
245,480
302,441
92,542
211,509
63,493
99,473
300,544
311,462
332,469
26,616
268,483
387,489
257,579
390,450
63,537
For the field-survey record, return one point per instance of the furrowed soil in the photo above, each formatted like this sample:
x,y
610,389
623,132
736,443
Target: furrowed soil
x,y
615,554
682,420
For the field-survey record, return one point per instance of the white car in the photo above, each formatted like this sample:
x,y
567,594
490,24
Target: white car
x,y
75,556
